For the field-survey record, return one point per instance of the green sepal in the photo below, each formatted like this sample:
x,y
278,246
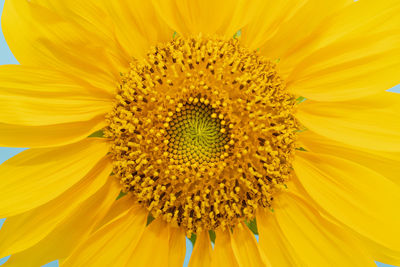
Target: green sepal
x,y
301,149
252,225
193,239
121,194
301,130
300,99
212,235
99,133
150,218
237,34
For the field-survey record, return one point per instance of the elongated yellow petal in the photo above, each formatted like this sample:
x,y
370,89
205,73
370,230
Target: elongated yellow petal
x,y
206,16
154,239
12,135
383,162
330,50
273,243
285,30
177,246
223,255
316,241
360,198
91,15
201,255
381,253
133,30
37,176
352,68
245,248
76,228
32,96
356,54
64,36
372,122
23,231
54,108
111,245
118,207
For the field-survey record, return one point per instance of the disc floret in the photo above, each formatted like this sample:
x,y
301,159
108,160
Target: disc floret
x,y
202,132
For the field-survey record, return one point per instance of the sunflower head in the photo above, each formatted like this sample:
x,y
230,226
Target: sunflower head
x,y
203,132
156,102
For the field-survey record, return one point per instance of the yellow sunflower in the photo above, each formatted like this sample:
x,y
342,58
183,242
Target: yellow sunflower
x,y
150,121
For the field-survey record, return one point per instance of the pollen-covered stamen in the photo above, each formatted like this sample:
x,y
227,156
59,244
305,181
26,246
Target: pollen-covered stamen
x,y
203,133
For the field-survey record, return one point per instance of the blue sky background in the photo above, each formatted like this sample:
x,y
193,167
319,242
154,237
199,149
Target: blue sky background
x,y
6,57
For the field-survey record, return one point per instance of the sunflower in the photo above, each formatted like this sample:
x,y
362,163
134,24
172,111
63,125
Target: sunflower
x,y
152,121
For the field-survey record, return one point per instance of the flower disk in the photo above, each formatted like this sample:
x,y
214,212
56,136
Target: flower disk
x,y
203,132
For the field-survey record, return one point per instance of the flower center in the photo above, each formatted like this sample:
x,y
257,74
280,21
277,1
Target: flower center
x,y
202,133
196,134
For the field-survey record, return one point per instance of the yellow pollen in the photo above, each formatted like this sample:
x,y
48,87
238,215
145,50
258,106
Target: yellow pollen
x,y
202,133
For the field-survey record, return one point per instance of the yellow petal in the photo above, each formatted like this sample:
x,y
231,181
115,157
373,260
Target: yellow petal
x,y
358,197
34,97
68,36
133,30
273,243
221,17
91,15
75,229
52,107
118,207
23,231
111,245
223,255
330,50
245,247
286,29
201,255
383,162
154,239
177,247
381,253
372,122
37,176
356,54
316,241
12,135
347,70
